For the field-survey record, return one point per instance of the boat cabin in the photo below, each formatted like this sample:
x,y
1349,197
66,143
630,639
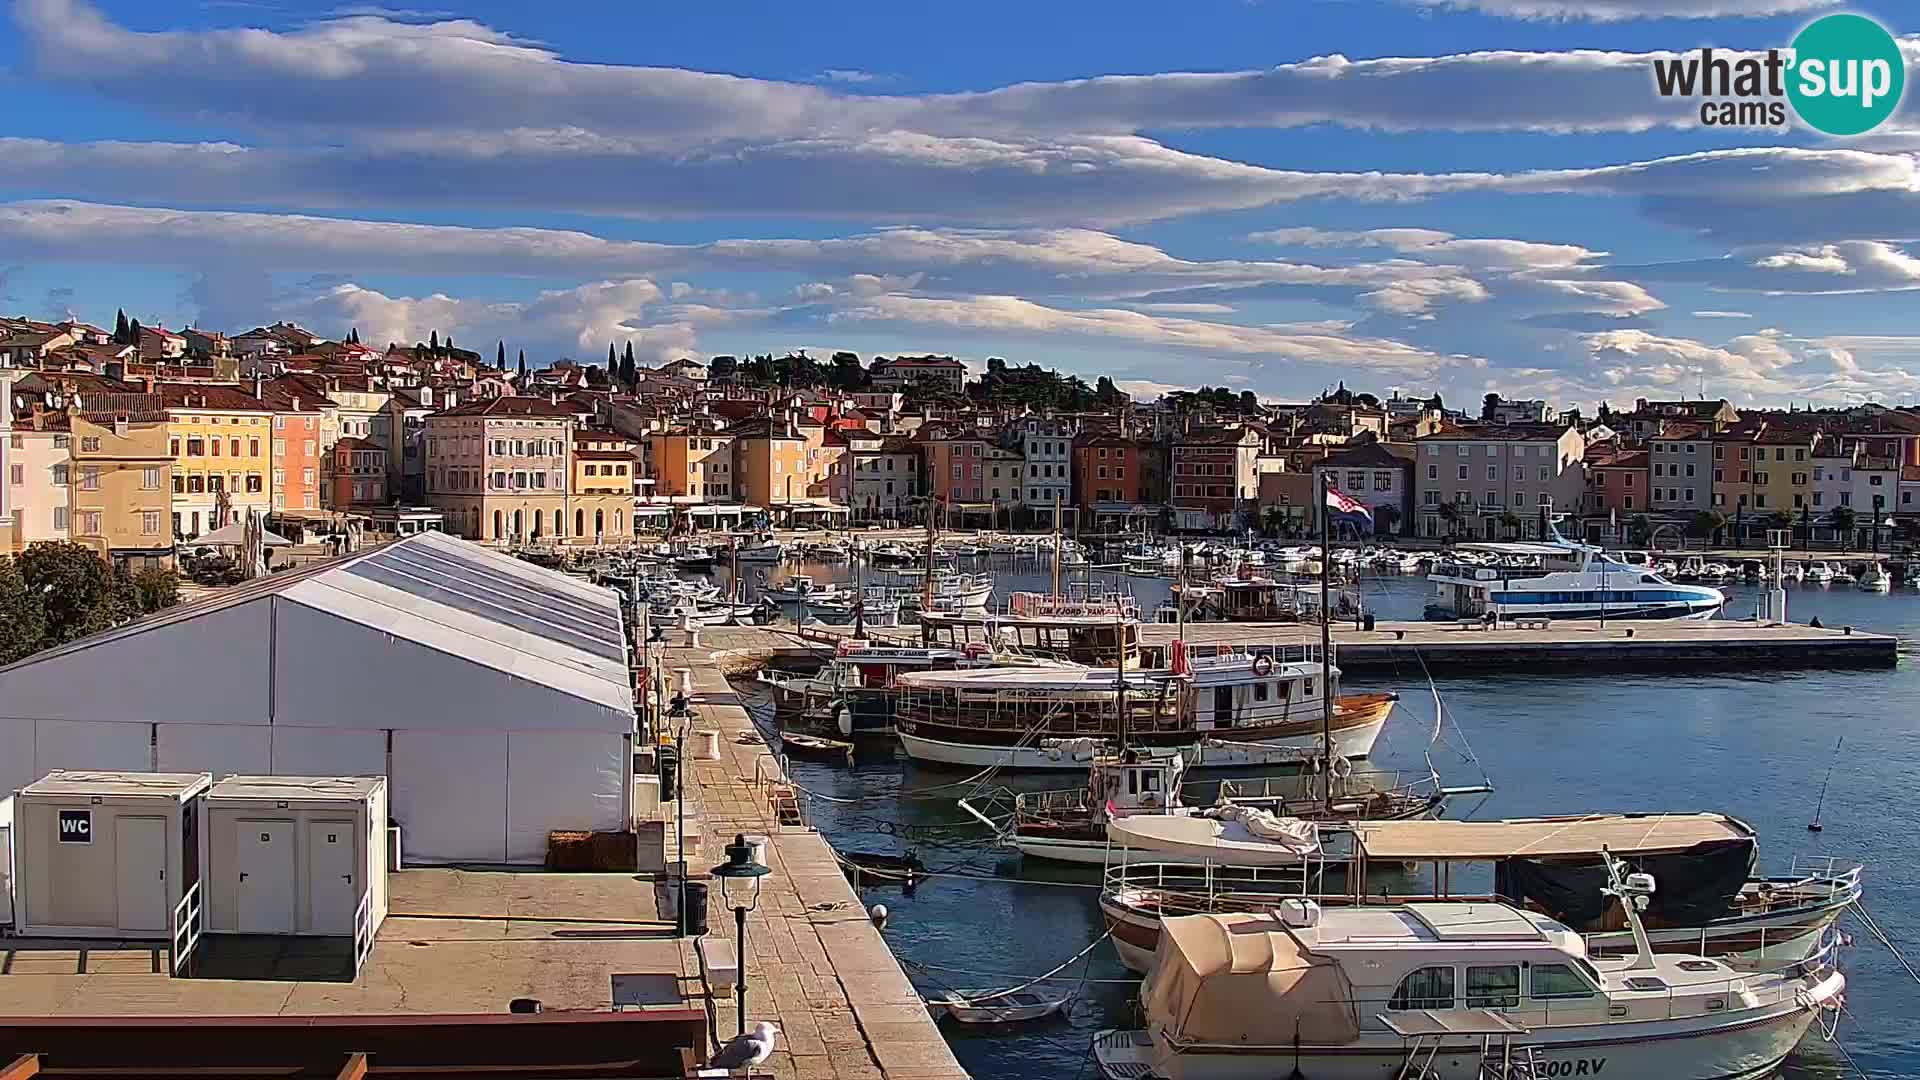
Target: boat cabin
x,y
1101,640
1134,784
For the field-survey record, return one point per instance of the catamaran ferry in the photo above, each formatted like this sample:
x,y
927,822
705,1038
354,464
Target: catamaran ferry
x,y
1566,581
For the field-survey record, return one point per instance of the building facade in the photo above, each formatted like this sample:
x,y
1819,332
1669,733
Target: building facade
x,y
1680,469
122,468
38,474
941,373
1495,481
221,442
601,497
1047,444
1373,476
498,468
694,463
358,474
1215,477
884,474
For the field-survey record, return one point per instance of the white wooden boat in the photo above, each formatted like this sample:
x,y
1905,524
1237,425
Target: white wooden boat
x,y
1228,835
998,1006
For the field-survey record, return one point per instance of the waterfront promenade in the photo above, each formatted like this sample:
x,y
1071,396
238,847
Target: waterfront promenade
x,y
816,965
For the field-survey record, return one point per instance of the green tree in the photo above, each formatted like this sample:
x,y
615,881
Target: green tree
x,y
722,367
500,355
433,341
629,370
845,372
523,367
120,326
159,589
1450,514
353,335
1641,529
74,588
1510,521
1706,524
1844,521
23,619
133,333
1249,402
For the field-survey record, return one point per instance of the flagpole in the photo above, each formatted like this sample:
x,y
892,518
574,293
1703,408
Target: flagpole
x,y
1326,641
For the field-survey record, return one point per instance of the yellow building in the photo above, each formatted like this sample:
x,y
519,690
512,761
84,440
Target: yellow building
x,y
221,441
121,473
696,464
601,492
1762,469
771,460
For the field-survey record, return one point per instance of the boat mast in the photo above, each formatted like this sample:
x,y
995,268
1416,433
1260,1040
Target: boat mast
x,y
1120,668
1326,642
926,595
1056,544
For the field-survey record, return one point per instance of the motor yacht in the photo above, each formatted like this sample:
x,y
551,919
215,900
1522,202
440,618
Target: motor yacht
x,y
1571,581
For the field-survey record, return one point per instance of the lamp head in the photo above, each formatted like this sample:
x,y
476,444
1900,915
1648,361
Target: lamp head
x,y
740,875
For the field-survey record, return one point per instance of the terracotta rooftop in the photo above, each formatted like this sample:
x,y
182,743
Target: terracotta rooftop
x,y
536,407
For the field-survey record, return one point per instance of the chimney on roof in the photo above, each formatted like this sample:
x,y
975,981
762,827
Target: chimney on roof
x,y
296,403
256,384
426,395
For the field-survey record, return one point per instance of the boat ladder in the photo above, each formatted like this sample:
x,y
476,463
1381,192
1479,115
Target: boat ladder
x,y
1426,1034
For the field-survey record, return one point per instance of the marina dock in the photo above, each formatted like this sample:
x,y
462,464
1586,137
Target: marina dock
x,y
1615,646
816,964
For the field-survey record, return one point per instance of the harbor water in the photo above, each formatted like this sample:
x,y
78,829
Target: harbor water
x,y
1753,744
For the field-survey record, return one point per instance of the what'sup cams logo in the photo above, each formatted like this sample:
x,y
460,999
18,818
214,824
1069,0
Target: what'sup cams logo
x,y
1843,75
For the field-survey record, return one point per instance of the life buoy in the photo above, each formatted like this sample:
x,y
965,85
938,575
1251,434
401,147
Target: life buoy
x,y
1341,768
1263,665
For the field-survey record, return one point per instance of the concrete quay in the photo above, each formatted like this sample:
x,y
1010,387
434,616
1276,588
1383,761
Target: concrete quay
x,y
1587,645
816,965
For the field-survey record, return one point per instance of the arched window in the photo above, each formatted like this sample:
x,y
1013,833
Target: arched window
x,y
499,529
599,523
559,524
618,516
518,529
579,523
536,524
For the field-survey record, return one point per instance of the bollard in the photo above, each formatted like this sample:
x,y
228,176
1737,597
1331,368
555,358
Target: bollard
x,y
709,744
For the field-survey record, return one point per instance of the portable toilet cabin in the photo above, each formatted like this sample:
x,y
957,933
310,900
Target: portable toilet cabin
x,y
105,854
301,855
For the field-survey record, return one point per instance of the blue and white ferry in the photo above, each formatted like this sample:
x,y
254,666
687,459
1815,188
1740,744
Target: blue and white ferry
x,y
1559,579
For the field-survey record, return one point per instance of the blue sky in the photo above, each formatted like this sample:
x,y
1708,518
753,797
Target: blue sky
x,y
1459,196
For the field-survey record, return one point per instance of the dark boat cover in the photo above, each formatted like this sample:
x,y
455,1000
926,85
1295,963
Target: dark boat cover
x,y
1692,887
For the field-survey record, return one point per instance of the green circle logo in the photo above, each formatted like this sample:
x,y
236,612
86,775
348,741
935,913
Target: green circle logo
x,y
1847,74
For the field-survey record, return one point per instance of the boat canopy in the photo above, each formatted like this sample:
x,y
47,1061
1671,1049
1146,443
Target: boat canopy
x,y
1045,677
1624,835
1243,979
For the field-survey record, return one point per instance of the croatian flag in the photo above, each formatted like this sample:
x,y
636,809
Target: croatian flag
x,y
1348,511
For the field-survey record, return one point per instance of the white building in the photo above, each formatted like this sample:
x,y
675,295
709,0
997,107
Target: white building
x,y
492,694
1048,445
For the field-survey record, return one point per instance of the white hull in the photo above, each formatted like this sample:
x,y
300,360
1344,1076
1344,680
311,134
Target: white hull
x,y
1083,852
1352,742
1747,1043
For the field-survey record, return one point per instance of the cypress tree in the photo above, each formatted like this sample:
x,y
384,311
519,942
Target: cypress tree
x,y
120,326
612,363
629,371
433,341
133,333
523,366
500,356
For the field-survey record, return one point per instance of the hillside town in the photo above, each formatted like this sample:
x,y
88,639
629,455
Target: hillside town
x,y
142,442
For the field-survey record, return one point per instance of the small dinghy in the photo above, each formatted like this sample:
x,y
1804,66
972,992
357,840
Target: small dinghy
x,y
801,745
998,1007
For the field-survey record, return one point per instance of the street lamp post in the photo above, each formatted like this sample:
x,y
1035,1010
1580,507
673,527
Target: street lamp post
x,y
678,710
740,885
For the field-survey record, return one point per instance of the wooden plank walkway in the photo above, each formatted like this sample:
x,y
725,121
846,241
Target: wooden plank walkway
x,y
816,965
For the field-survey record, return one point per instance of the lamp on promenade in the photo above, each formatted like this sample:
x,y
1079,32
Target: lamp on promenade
x,y
740,885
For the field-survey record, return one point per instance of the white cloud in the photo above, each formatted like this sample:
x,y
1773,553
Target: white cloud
x,y
1188,309
1016,317
1721,315
1623,10
1430,243
1852,266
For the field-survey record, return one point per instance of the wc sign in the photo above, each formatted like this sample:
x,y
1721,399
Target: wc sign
x,y
1843,75
76,826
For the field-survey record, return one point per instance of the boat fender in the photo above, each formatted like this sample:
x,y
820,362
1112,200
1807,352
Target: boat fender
x,y
1263,665
1341,767
843,717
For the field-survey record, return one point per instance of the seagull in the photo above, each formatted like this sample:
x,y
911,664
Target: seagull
x,y
744,1051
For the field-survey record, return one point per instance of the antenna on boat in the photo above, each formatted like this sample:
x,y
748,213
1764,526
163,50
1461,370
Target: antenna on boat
x,y
1814,825
1056,543
1634,893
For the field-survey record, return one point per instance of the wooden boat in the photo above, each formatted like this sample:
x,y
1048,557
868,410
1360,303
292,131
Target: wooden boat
x,y
865,868
998,1006
1097,629
1711,903
800,744
1228,709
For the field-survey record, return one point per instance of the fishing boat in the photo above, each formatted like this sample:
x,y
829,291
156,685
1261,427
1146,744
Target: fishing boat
x,y
1875,579
998,1006
946,591
800,588
892,552
768,551
1072,824
1572,581
1330,993
855,692
1222,710
1713,904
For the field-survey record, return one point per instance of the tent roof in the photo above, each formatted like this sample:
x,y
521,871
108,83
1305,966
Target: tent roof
x,y
1537,838
452,596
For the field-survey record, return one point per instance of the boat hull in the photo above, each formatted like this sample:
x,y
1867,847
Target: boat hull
x,y
1355,741
1747,1043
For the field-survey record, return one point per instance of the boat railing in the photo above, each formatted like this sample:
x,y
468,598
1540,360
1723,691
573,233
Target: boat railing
x,y
1208,888
1823,870
1060,802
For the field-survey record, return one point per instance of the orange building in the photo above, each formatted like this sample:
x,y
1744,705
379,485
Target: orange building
x,y
298,469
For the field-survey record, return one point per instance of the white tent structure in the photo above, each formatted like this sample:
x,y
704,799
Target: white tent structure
x,y
492,693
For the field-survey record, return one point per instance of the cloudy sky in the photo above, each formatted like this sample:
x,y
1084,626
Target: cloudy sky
x,y
1276,195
